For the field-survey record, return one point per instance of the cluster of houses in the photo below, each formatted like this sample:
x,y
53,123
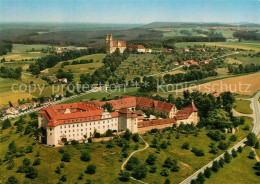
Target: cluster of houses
x,y
189,63
60,50
17,108
82,120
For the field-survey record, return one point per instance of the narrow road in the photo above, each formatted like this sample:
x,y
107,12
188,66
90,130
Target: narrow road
x,y
64,99
256,129
125,162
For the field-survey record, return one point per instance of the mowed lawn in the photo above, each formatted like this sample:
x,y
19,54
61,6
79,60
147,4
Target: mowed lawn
x,y
243,106
187,161
239,171
19,52
7,94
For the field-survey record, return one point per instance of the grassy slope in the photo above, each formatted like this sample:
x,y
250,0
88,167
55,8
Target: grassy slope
x,y
243,106
238,171
184,156
106,160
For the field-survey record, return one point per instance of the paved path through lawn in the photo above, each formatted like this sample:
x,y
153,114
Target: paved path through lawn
x,y
125,162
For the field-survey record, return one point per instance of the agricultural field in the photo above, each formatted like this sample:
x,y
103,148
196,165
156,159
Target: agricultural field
x,y
19,52
240,170
7,94
187,161
241,45
243,106
245,85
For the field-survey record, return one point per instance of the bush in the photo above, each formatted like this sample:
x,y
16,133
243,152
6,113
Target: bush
x,y
201,178
61,150
58,170
89,140
234,153
215,166
186,146
164,172
198,152
81,176
66,157
31,172
91,169
153,169
251,139
6,124
207,172
233,138
221,162
169,162
132,162
29,149
164,145
12,180
223,145
251,155
139,172
26,162
63,178
175,168
85,157
135,137
227,157
167,181
110,144
240,149
257,145
151,159
257,168
62,165
124,176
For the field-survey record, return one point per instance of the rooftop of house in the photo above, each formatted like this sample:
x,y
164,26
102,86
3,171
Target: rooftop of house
x,y
155,122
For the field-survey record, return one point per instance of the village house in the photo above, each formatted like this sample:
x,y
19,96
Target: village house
x,y
12,111
81,120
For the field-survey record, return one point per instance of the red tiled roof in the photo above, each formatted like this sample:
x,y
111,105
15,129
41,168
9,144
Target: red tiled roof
x,y
119,44
136,46
186,112
158,105
126,102
127,113
155,122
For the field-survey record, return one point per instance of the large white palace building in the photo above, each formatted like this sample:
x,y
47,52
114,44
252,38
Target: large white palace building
x,y
81,120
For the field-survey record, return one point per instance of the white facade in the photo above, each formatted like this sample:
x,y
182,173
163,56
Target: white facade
x,y
79,130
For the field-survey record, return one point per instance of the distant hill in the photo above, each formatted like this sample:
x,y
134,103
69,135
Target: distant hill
x,y
195,24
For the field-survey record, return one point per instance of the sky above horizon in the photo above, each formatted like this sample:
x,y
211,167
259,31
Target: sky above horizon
x,y
130,11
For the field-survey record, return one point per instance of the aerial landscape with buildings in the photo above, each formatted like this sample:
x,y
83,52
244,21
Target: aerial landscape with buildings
x,y
113,91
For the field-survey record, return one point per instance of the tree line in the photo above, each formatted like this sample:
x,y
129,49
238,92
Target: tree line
x,y
243,69
5,47
10,72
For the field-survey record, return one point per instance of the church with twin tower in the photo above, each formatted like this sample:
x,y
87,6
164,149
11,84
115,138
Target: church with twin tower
x,y
111,45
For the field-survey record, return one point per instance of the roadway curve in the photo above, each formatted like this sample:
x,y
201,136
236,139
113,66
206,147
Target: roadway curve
x,y
256,129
